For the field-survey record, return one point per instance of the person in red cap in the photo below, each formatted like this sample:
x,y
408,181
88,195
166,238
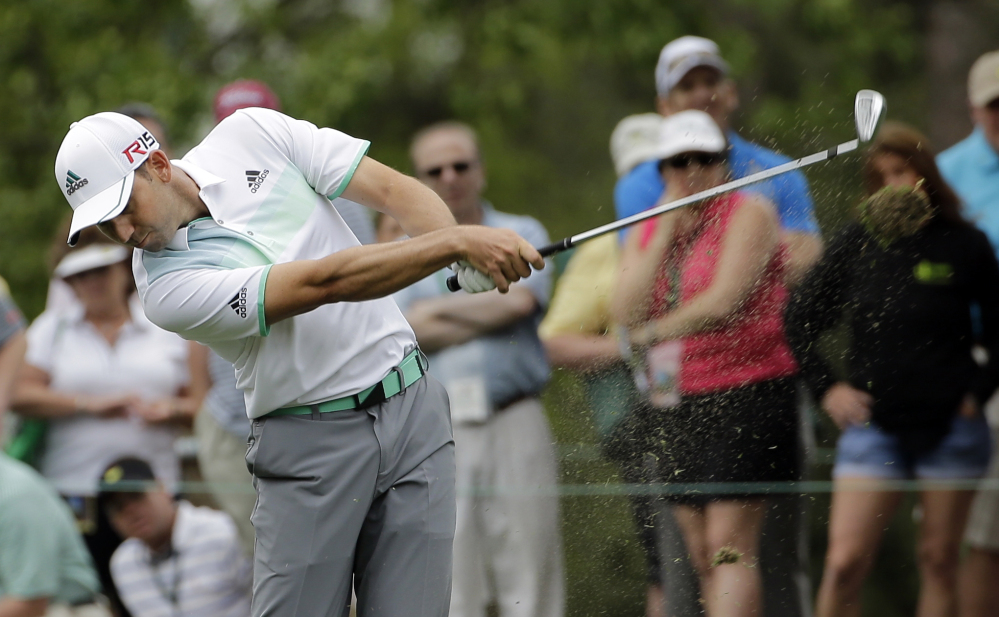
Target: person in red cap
x,y
241,94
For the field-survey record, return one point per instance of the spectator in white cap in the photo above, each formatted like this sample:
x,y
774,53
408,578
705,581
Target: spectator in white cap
x,y
971,167
691,74
701,291
107,382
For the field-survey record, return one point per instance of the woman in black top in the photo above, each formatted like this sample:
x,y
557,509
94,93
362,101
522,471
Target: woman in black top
x,y
911,403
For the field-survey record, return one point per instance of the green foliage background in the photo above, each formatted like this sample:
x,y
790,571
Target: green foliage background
x,y
544,81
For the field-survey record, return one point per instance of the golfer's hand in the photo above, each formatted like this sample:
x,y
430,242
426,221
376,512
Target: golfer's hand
x,y
470,279
501,254
847,405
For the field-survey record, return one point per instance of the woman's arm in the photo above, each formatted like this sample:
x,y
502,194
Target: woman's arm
x,y
33,398
638,267
748,247
586,353
11,358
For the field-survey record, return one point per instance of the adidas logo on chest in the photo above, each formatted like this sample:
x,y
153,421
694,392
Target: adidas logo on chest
x,y
255,178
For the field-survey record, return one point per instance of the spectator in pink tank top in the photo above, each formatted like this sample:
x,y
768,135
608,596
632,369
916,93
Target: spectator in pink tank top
x,y
701,295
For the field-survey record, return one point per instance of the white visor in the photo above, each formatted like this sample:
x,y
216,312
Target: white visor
x,y
90,258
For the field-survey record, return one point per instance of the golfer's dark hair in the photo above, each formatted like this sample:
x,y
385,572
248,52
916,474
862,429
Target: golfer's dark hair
x,y
906,142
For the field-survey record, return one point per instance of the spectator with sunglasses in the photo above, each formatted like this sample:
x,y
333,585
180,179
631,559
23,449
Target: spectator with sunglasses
x,y
485,349
701,291
691,74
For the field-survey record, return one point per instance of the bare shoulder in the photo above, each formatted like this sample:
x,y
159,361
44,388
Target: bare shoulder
x,y
757,211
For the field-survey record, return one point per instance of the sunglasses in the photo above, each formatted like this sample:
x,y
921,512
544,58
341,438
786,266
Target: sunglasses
x,y
704,159
459,168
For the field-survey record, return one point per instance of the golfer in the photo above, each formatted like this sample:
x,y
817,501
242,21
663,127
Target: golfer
x,y
240,248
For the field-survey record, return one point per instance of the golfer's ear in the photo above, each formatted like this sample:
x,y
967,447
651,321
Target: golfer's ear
x,y
158,164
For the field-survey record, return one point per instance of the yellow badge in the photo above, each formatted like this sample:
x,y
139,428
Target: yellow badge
x,y
933,273
113,475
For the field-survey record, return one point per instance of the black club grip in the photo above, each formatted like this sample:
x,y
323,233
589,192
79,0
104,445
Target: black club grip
x,y
546,251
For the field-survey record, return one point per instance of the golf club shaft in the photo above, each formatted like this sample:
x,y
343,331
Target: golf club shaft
x,y
571,241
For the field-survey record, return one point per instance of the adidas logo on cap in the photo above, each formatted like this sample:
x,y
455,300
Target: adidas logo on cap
x,y
74,182
255,178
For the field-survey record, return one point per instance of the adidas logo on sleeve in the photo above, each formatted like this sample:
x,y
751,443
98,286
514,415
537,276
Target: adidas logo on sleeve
x,y
238,303
255,178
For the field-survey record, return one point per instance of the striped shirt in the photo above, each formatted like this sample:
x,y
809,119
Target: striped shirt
x,y
205,575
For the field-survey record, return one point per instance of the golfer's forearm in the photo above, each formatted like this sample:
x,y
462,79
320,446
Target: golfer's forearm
x,y
584,353
358,273
417,208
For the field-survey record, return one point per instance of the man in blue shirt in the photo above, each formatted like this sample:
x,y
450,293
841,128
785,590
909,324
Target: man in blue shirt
x,y
691,74
972,168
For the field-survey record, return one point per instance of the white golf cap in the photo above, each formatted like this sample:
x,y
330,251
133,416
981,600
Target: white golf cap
x,y
635,140
983,80
90,258
689,131
681,55
96,166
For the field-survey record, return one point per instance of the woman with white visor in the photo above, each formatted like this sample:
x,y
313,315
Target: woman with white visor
x,y
700,292
107,383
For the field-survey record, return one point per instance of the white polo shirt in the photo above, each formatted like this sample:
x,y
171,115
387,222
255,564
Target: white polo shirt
x,y
144,361
267,181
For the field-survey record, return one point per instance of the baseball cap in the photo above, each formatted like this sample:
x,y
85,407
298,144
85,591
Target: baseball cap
x,y
679,56
242,94
983,80
126,475
635,140
689,131
96,164
90,258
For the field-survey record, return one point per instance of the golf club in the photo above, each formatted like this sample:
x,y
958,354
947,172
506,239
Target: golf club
x,y
869,107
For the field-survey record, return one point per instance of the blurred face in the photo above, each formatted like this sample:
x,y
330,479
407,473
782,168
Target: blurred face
x,y
703,88
100,288
154,212
895,170
693,172
146,516
448,162
988,118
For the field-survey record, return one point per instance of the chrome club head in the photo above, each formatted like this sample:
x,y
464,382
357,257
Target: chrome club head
x,y
868,109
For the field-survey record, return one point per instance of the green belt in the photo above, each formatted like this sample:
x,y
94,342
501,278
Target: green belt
x,y
409,371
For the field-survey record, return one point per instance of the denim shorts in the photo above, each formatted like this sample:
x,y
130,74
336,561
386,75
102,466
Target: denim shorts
x,y
868,451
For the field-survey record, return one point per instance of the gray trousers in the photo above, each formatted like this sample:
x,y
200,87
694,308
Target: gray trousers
x,y
367,495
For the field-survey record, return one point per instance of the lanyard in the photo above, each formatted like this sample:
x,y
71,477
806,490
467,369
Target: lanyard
x,y
169,594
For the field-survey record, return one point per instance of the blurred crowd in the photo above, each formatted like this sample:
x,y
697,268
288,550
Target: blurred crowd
x,y
701,337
